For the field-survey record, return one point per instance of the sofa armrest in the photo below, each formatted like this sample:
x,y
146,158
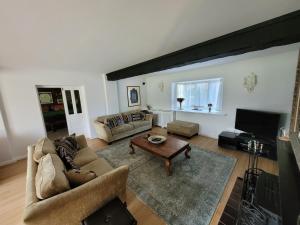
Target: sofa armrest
x,y
103,131
149,117
71,207
81,140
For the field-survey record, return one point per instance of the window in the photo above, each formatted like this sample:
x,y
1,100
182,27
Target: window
x,y
77,100
69,102
198,94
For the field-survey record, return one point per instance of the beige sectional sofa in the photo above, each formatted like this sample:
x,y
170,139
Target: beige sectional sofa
x,y
125,130
72,206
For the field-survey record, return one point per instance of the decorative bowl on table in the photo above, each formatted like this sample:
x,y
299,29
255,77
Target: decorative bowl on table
x,y
157,139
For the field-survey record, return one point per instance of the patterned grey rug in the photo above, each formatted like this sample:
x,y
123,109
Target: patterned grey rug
x,y
188,197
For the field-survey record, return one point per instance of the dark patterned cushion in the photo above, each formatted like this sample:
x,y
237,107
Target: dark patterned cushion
x,y
120,120
137,116
127,118
67,147
143,115
114,121
109,123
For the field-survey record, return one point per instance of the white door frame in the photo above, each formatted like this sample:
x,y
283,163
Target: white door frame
x,y
83,104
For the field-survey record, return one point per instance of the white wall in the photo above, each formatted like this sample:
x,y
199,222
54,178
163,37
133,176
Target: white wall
x,y
274,91
21,104
122,89
111,95
5,150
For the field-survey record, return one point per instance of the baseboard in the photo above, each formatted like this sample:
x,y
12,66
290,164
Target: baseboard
x,y
11,161
20,157
8,162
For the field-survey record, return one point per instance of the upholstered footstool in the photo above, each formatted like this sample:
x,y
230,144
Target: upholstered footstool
x,y
184,128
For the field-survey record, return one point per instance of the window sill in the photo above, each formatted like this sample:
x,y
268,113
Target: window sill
x,y
204,111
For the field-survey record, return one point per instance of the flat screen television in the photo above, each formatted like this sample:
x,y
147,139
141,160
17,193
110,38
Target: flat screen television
x,y
261,124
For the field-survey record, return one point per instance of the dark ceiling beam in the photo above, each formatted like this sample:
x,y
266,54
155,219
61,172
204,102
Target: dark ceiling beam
x,y
279,31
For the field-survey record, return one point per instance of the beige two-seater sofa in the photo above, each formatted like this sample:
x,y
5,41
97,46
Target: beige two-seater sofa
x,y
122,131
72,206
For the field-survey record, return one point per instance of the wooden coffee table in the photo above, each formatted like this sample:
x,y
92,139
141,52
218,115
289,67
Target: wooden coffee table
x,y
167,150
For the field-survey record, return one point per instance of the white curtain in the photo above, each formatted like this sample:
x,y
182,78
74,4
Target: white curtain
x,y
201,93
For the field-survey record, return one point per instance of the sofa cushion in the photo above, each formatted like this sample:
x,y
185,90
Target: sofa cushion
x,y
99,166
50,178
84,156
79,177
137,116
43,147
102,119
67,147
133,115
114,121
140,123
127,117
121,129
81,141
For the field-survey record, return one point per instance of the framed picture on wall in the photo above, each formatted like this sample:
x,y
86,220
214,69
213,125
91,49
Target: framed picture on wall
x,y
133,96
46,97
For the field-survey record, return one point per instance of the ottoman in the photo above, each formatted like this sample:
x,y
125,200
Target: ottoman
x,y
184,128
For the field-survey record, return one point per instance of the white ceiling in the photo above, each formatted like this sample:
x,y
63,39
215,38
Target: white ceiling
x,y
105,35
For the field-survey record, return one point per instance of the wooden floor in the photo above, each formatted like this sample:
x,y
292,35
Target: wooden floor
x,y
12,184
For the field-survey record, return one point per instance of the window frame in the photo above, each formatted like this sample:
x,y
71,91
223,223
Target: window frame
x,y
205,108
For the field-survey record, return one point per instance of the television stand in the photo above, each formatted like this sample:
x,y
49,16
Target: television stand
x,y
235,141
246,135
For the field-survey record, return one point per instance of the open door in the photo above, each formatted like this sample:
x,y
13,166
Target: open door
x,y
53,111
75,112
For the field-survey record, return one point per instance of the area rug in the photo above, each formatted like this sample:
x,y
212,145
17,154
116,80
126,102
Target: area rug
x,y
188,197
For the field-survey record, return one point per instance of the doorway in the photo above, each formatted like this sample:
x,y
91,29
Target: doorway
x,y
53,111
63,110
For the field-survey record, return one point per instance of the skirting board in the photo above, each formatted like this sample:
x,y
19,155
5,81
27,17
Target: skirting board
x,y
11,161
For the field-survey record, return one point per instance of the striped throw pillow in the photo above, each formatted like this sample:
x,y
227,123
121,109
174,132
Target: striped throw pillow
x,y
127,118
143,115
137,116
67,147
114,121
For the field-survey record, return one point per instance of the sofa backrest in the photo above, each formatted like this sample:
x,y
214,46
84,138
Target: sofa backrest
x,y
81,140
131,112
102,119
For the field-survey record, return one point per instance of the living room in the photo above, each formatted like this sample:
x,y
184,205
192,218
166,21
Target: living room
x,y
183,83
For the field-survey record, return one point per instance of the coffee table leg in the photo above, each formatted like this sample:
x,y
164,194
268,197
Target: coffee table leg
x,y
132,149
168,165
187,151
